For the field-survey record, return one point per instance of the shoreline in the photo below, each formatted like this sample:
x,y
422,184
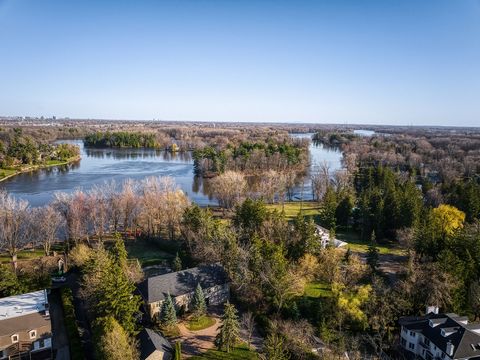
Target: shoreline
x,y
40,167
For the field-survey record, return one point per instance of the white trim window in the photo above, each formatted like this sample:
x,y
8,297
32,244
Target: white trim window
x,y
15,338
32,334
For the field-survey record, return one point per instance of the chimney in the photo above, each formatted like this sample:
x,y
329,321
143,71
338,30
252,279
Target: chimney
x,y
450,349
432,309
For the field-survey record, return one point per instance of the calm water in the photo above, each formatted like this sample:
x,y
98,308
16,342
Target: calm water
x,y
100,165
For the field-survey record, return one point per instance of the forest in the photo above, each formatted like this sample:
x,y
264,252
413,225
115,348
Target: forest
x,y
407,204
19,151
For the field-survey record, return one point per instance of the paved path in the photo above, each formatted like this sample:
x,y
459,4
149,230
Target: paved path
x,y
60,338
196,342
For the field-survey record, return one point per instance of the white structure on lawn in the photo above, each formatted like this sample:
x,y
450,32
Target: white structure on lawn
x,y
324,237
440,336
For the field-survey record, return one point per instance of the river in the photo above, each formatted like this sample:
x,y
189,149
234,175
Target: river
x,y
100,165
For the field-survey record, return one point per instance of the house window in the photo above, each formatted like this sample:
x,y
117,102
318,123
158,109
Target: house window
x,y
412,334
32,334
403,342
411,346
15,338
427,342
443,355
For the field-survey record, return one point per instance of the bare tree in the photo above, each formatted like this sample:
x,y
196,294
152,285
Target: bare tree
x,y
14,225
229,188
248,325
320,180
129,203
46,222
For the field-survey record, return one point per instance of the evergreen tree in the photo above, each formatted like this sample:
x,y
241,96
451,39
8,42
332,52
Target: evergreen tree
x,y
168,315
229,330
177,263
275,348
114,298
372,253
9,284
199,306
118,251
112,341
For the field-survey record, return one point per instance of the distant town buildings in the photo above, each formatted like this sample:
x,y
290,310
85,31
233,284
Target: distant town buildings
x,y
25,327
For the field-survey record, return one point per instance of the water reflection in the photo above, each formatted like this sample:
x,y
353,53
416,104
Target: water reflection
x,y
100,165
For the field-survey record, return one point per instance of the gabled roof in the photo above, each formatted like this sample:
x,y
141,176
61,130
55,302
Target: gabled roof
x,y
156,288
151,341
447,328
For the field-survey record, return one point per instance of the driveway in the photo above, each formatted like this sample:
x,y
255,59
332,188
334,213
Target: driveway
x,y
197,342
60,338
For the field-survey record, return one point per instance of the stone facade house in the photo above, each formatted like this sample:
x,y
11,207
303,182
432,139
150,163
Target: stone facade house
x,y
25,326
181,286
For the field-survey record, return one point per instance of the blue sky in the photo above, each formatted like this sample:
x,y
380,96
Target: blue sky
x,y
377,62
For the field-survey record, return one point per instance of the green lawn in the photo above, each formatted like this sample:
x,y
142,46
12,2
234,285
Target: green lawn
x,y
22,255
239,353
357,245
148,253
201,323
309,208
6,172
317,289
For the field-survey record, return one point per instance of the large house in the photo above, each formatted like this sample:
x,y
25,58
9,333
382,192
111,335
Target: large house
x,y
181,286
25,327
440,336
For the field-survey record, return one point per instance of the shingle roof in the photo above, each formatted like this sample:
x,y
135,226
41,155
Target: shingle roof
x,y
151,341
459,334
183,282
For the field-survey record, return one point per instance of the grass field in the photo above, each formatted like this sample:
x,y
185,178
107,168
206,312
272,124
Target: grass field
x,y
311,209
317,289
6,172
22,255
357,245
201,323
291,209
239,353
148,253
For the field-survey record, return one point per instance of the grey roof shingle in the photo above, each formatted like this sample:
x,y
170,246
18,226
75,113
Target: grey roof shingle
x,y
461,336
183,282
151,341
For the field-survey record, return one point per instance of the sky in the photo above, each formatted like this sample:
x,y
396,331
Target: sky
x,y
369,62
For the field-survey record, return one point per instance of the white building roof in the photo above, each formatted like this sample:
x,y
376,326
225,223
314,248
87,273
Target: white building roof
x,y
24,304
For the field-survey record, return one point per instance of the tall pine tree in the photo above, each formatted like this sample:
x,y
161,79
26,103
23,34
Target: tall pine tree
x,y
229,330
199,306
168,315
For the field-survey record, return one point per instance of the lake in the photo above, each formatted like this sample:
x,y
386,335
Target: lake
x,y
100,165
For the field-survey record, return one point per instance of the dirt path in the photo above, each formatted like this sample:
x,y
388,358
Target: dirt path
x,y
391,265
196,342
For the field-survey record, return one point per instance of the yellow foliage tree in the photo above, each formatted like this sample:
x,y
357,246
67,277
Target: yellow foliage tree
x,y
350,302
448,219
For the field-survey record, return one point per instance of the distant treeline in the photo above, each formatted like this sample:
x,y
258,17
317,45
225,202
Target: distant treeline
x,y
251,157
122,139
